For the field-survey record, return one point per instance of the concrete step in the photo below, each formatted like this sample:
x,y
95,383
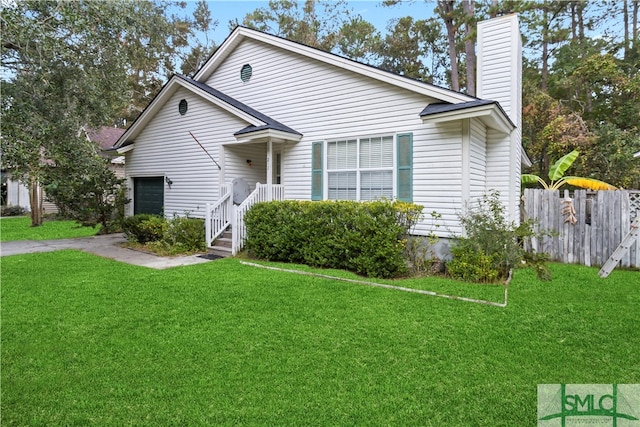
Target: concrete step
x,y
220,251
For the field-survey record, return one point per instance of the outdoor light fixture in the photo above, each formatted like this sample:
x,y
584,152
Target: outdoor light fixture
x,y
168,181
249,162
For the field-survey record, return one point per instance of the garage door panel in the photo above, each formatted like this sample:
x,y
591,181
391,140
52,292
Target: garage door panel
x,y
148,195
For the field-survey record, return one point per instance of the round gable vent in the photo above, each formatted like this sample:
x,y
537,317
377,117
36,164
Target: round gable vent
x,y
245,73
182,107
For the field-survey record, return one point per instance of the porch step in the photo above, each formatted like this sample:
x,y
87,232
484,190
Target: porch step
x,y
223,245
220,251
225,242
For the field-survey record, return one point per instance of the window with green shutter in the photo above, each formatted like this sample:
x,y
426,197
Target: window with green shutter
x,y
405,167
363,168
316,171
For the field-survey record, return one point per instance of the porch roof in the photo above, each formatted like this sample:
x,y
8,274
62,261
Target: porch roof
x,y
490,112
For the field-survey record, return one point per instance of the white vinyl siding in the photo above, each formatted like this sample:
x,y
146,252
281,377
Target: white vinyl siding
x,y
498,170
318,101
478,159
360,169
165,148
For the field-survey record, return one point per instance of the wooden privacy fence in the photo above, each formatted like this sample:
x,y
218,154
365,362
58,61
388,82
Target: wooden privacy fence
x,y
587,226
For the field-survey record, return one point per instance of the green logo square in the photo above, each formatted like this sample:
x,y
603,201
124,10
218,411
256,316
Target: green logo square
x,y
578,405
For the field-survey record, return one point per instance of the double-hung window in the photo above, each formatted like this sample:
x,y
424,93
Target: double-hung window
x,y
363,168
360,168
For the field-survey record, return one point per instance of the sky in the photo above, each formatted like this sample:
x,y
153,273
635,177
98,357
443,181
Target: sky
x,y
372,11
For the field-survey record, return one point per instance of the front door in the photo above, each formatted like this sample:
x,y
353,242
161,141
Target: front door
x,y
277,166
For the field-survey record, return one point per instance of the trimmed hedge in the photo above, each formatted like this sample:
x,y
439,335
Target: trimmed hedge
x,y
367,238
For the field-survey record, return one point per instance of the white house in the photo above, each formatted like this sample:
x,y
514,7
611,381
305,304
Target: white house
x,y
295,122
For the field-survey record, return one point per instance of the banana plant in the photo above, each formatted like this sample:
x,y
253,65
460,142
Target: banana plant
x,y
557,178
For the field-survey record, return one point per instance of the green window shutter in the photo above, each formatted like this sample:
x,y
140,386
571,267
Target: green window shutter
x,y
405,167
316,170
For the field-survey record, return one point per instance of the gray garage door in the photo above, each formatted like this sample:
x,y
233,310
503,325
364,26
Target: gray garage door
x,y
148,195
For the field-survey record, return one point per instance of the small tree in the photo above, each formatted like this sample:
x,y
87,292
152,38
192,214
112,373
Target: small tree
x,y
557,178
492,245
89,192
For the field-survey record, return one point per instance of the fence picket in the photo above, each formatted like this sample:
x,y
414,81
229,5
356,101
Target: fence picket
x,y
603,218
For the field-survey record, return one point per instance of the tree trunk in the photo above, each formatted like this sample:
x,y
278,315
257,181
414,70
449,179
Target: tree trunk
x,y
544,74
469,46
636,3
625,13
493,11
574,21
581,6
35,202
445,8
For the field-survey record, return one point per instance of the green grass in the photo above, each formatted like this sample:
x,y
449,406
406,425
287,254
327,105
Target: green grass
x,y
19,228
89,341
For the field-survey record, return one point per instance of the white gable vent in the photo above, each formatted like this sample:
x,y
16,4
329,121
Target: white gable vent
x,y
246,72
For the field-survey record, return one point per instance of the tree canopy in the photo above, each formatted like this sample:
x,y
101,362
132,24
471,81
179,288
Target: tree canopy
x,y
73,65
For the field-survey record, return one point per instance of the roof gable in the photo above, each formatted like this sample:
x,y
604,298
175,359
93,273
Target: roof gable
x,y
240,34
256,120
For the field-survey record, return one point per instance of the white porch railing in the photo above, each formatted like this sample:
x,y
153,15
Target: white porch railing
x,y
262,193
218,215
223,213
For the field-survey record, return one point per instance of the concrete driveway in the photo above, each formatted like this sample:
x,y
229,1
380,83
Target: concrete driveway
x,y
107,246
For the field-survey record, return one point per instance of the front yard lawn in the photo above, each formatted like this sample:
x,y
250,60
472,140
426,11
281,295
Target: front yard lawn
x,y
89,341
19,228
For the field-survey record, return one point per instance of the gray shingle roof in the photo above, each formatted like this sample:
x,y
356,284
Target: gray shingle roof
x,y
269,122
443,107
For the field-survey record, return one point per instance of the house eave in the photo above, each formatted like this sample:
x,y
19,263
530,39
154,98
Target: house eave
x,y
125,148
264,135
490,115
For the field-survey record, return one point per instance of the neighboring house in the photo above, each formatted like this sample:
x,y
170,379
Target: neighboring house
x,y
106,137
298,123
14,193
17,193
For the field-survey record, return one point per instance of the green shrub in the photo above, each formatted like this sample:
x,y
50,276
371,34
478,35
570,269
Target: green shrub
x,y
13,211
185,234
367,238
471,264
143,228
493,245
